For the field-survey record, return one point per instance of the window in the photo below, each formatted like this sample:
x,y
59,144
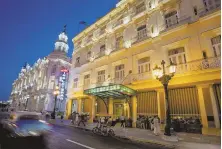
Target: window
x,y
119,42
195,10
77,59
177,56
150,5
140,8
103,30
89,38
75,85
204,54
211,4
53,70
171,18
101,76
102,50
87,80
88,54
141,32
144,65
119,72
216,44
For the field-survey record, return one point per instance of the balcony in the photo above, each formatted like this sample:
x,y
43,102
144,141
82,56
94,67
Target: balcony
x,y
140,10
140,38
208,10
140,76
180,21
210,63
117,23
100,54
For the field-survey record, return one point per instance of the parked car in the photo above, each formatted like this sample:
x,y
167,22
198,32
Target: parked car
x,y
23,130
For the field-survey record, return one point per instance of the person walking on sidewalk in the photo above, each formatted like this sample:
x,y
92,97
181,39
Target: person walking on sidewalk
x,y
156,125
82,119
122,120
77,118
62,118
73,117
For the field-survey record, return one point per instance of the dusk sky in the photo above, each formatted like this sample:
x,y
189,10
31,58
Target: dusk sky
x,y
29,29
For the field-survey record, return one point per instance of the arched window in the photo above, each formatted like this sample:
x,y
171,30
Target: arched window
x,y
53,69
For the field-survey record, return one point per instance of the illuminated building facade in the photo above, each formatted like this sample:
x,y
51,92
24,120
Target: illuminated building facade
x,y
115,56
33,89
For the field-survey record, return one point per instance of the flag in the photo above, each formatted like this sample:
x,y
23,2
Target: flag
x,y
82,22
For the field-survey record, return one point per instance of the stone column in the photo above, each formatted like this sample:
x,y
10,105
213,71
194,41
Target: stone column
x,y
134,110
92,109
203,112
68,108
79,109
215,107
161,104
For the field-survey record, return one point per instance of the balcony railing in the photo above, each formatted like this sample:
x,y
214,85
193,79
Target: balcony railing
x,y
210,63
207,10
117,23
140,10
180,21
140,38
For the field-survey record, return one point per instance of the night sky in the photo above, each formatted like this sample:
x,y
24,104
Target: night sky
x,y
29,29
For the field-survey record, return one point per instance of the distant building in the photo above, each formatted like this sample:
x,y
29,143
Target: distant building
x,y
33,89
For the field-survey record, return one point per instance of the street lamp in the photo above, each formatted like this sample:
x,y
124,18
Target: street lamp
x,y
164,78
56,93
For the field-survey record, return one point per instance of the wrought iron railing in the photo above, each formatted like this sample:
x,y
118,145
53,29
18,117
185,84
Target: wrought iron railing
x,y
180,21
117,23
140,10
207,10
210,63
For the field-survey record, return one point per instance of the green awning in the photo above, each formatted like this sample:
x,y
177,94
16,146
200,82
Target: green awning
x,y
116,91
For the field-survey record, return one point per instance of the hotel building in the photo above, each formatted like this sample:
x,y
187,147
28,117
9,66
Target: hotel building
x,y
113,61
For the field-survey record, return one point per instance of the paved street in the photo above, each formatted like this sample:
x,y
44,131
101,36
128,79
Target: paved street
x,y
72,138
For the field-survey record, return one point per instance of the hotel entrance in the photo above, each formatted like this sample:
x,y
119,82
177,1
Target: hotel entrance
x,y
118,110
114,100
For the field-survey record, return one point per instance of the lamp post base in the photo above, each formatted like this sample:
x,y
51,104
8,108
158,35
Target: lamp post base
x,y
167,131
53,115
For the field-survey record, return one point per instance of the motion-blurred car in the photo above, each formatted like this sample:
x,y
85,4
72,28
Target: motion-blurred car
x,y
23,129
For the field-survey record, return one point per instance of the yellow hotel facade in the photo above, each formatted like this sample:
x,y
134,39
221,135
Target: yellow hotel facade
x,y
114,58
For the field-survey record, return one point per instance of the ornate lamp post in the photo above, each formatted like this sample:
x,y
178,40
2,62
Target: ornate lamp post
x,y
56,93
164,78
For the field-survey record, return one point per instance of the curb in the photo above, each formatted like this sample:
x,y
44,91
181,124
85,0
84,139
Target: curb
x,y
128,138
147,141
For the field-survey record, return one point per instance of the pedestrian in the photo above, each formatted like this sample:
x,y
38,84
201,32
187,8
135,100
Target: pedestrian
x,y
122,120
61,118
82,119
77,118
74,117
156,125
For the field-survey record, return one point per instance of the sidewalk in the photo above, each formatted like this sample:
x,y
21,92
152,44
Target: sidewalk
x,y
186,140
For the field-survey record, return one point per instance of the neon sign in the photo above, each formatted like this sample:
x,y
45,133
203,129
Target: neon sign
x,y
63,84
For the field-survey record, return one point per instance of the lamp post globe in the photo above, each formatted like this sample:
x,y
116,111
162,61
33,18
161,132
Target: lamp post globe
x,y
164,78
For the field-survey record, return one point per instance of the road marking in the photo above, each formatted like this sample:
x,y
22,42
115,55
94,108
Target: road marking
x,y
79,144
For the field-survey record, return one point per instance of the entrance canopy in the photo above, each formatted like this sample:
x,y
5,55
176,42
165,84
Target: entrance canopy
x,y
116,91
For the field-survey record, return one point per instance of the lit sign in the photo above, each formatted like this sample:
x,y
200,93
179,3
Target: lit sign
x,y
63,84
118,87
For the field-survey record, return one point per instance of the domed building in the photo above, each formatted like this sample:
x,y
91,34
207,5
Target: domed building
x,y
34,87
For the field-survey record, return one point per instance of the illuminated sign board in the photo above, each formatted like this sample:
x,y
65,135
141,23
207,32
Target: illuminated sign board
x,y
63,79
